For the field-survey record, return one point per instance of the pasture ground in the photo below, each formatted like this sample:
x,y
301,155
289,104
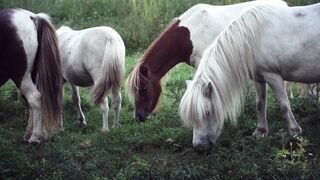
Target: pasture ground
x,y
162,147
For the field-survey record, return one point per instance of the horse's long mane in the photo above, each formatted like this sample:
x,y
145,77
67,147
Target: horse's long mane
x,y
134,77
226,65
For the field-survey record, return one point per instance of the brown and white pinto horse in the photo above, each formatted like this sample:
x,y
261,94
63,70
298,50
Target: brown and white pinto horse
x,y
29,56
185,40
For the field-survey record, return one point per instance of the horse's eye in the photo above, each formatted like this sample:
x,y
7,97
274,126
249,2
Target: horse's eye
x,y
207,113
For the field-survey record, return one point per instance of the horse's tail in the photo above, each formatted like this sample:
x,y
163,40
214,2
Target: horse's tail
x,y
48,72
113,68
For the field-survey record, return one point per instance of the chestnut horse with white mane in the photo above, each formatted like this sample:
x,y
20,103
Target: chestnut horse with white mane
x,y
93,57
29,56
185,40
268,44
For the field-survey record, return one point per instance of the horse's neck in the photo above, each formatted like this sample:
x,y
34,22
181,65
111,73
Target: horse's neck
x,y
172,47
159,68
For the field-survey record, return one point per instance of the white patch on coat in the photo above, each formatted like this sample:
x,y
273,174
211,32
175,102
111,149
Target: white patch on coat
x,y
205,22
27,33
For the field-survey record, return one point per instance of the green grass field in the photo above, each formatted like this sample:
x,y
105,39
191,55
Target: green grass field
x,y
162,147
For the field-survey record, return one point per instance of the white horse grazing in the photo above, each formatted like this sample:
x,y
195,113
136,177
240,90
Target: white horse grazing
x,y
93,57
268,44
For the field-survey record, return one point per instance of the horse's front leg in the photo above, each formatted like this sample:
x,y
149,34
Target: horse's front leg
x,y
261,101
277,85
33,97
116,106
105,109
77,102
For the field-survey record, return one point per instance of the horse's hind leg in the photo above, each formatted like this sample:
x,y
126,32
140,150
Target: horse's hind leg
x,y
277,85
116,106
308,89
261,100
28,133
77,101
33,97
288,89
105,109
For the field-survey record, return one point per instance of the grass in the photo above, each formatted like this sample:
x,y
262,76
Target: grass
x,y
160,148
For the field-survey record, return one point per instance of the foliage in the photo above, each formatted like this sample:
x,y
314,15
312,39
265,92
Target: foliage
x,y
160,148
139,22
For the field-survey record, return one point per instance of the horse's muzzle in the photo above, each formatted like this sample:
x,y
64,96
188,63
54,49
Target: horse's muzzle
x,y
206,143
141,116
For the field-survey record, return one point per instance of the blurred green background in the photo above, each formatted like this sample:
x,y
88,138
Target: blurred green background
x,y
139,22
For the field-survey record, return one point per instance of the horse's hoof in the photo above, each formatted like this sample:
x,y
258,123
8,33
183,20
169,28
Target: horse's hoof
x,y
26,137
116,126
83,124
34,140
105,130
260,133
61,129
295,132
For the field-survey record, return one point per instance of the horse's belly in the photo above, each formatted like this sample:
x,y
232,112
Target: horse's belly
x,y
304,71
82,79
303,77
3,77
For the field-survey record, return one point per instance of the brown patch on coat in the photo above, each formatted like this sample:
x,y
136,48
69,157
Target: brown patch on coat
x,y
13,60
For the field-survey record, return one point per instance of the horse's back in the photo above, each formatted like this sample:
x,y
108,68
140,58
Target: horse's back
x,y
290,44
205,22
16,32
82,51
80,43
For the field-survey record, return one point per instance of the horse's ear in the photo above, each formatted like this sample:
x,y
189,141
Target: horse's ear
x,y
143,70
208,90
188,82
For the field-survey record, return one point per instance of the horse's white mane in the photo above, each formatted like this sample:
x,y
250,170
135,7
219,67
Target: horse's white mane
x,y
225,66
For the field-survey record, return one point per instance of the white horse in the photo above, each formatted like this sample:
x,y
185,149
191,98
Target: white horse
x,y
268,44
93,57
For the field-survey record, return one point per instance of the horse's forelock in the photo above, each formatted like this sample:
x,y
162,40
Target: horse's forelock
x,y
195,103
192,106
133,81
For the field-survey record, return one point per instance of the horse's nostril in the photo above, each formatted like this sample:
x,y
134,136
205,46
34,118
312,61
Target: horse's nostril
x,y
141,116
138,117
205,144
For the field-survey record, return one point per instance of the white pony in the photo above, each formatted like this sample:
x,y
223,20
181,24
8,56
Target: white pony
x,y
268,44
93,57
